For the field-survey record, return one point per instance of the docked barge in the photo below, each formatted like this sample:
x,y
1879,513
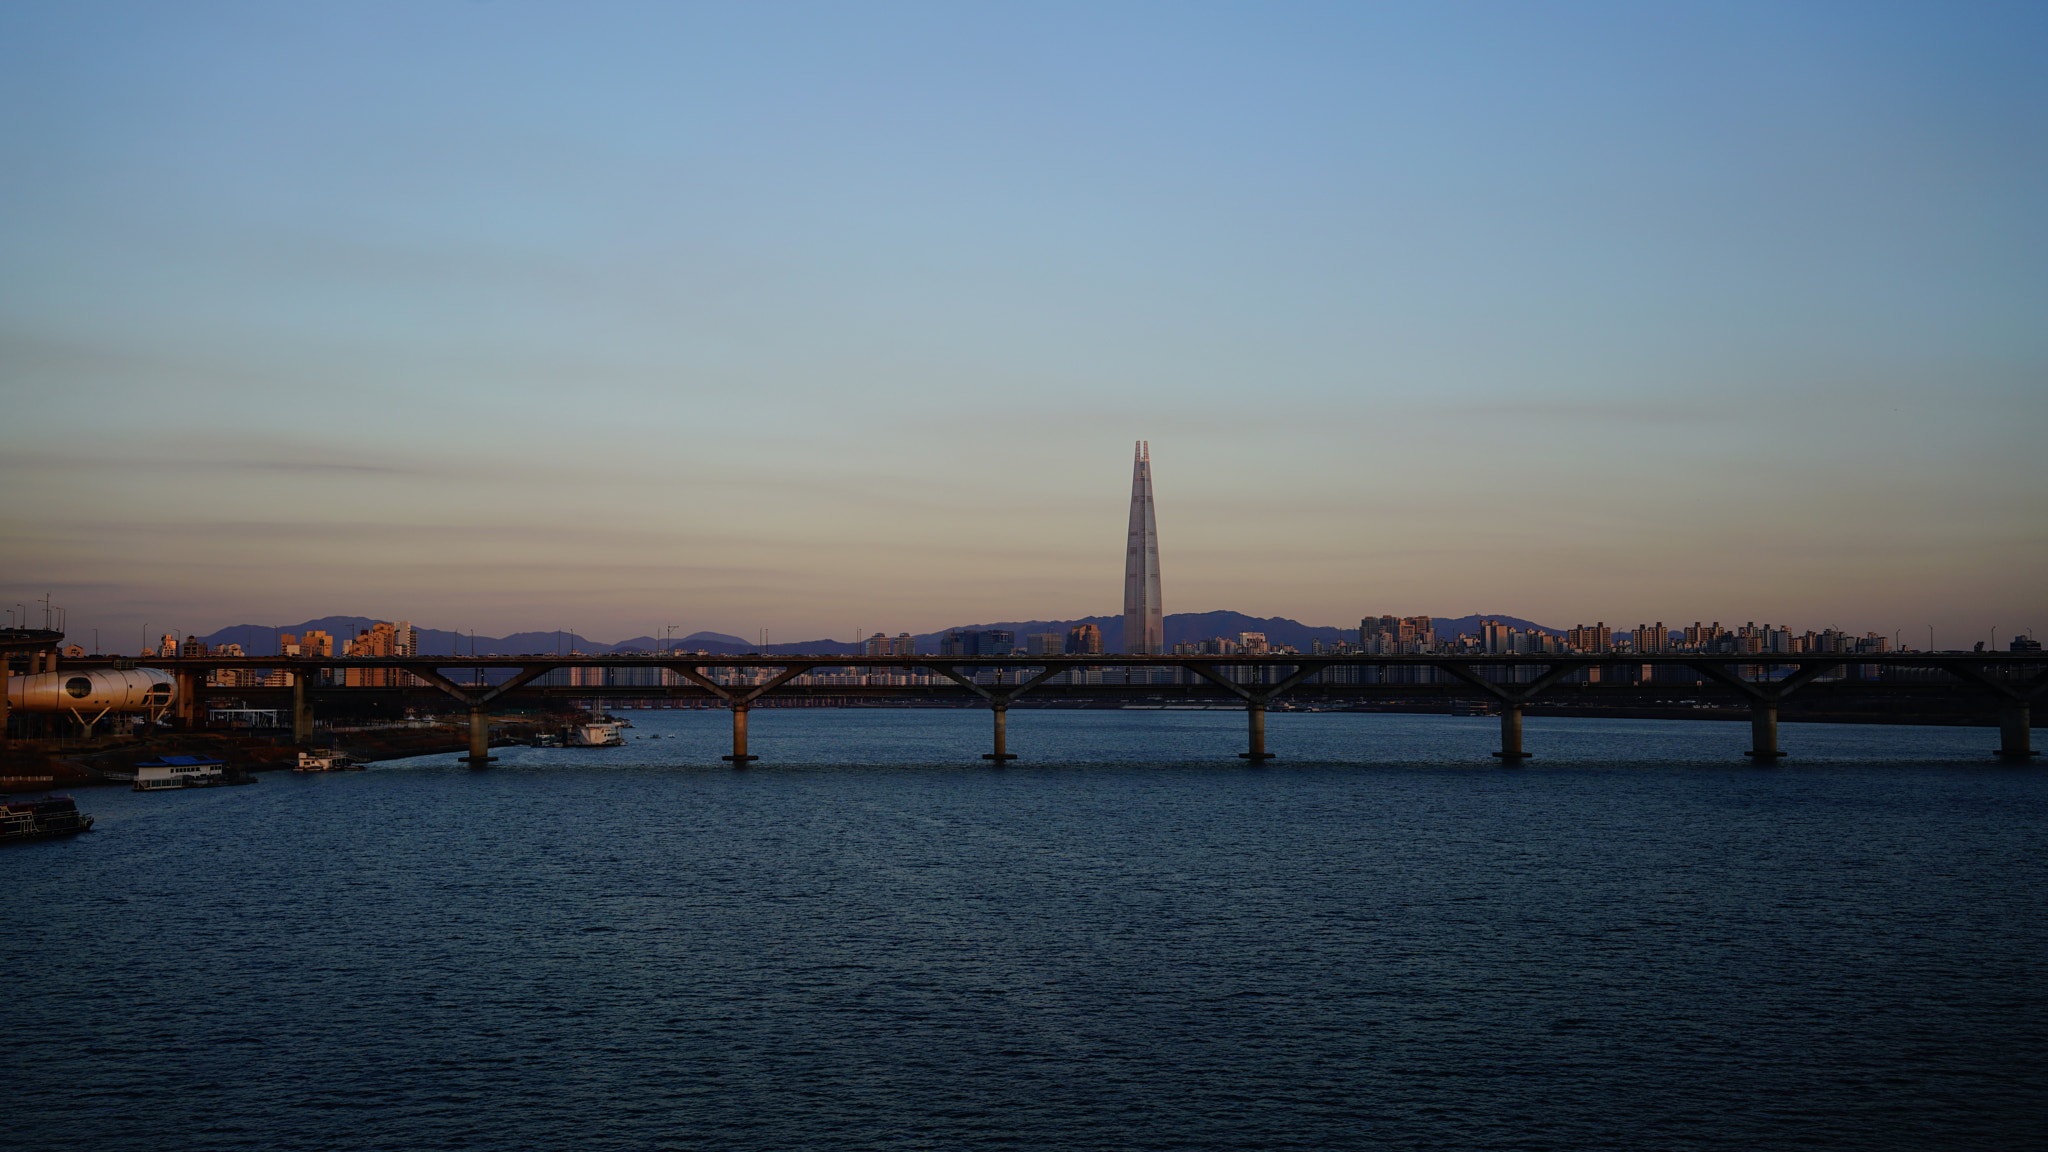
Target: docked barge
x,y
184,772
41,819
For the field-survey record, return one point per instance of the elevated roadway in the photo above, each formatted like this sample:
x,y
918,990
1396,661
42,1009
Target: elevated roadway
x,y
1507,682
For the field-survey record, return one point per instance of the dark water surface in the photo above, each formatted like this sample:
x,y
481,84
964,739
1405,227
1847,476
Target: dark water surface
x,y
1127,940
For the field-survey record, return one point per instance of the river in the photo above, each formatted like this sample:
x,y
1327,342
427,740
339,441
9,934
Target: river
x,y
1126,940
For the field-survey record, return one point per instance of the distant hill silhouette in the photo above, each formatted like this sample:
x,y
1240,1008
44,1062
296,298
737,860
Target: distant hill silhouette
x,y
261,640
1187,627
717,642
1469,625
1182,627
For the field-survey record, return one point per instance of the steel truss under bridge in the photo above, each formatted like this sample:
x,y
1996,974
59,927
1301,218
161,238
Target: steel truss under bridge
x,y
1510,682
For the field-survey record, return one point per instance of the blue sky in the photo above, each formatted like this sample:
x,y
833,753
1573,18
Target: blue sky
x,y
506,315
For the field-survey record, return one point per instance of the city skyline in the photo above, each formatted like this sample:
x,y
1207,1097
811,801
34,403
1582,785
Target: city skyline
x,y
1382,635
845,320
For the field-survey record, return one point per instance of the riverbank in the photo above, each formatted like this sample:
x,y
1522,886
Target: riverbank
x,y
42,764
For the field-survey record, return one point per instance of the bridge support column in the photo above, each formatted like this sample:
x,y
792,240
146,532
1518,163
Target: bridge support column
x,y
302,711
2015,724
479,738
739,737
1002,752
191,709
1255,716
1511,734
1763,731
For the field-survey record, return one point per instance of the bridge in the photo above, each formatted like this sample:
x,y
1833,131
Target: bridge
x,y
1509,682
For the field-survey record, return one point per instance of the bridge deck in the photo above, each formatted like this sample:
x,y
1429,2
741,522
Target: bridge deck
x,y
1506,681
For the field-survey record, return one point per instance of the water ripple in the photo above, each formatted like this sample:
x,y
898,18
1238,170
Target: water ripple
x,y
1135,944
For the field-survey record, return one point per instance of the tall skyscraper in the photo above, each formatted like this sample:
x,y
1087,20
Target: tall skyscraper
x,y
1144,623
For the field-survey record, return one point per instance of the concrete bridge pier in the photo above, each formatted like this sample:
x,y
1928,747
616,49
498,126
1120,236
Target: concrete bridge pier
x,y
479,738
739,755
191,709
302,711
1255,716
1002,752
2015,731
1763,731
1511,734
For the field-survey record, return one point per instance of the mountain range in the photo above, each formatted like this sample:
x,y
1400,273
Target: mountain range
x,y
261,640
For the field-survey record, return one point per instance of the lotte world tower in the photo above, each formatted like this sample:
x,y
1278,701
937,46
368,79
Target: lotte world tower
x,y
1144,622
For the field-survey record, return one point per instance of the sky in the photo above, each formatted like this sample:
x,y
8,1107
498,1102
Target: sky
x,y
810,318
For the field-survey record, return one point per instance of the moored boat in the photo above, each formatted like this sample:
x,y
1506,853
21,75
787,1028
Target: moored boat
x,y
596,734
181,772
41,819
332,762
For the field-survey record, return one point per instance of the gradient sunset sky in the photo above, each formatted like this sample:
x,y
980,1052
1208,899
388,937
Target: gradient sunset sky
x,y
512,316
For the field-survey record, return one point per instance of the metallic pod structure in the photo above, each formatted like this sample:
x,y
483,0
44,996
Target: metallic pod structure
x,y
88,696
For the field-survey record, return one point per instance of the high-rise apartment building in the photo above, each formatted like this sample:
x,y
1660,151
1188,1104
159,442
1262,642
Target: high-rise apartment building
x,y
1144,619
375,641
882,644
1046,643
1494,636
1389,635
372,641
978,642
1084,640
232,677
386,640
317,643
1704,636
1650,638
1597,638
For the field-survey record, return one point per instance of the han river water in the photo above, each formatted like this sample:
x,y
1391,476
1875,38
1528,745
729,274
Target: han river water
x,y
1126,940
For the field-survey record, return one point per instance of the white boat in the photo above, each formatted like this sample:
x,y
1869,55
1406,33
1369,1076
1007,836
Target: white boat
x,y
313,762
596,734
179,772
